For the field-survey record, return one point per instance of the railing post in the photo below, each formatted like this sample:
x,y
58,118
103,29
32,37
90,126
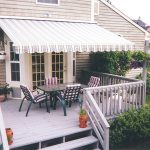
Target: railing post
x,y
106,140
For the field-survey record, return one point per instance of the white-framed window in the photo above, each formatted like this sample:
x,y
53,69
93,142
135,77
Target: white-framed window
x,y
14,64
96,7
49,2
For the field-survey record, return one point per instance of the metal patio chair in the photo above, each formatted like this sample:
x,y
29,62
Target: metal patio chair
x,y
69,95
33,99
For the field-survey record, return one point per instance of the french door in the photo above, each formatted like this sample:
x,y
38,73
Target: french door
x,y
58,68
38,72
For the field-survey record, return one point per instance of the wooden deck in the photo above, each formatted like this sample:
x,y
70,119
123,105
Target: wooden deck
x,y
39,125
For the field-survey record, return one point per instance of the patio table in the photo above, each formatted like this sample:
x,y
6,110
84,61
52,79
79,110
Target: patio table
x,y
52,89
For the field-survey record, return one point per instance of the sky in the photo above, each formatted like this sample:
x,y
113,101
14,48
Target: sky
x,y
134,8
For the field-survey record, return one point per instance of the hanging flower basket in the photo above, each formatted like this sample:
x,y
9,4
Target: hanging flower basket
x,y
2,55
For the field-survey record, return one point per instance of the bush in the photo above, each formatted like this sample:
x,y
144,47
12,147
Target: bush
x,y
130,127
115,62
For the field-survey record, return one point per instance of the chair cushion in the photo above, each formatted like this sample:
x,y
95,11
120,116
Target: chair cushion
x,y
40,97
94,81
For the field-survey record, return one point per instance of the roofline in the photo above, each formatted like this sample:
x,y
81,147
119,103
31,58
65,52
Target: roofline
x,y
124,16
48,19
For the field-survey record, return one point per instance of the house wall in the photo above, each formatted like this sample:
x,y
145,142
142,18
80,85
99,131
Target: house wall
x,y
2,72
2,62
67,9
115,23
82,63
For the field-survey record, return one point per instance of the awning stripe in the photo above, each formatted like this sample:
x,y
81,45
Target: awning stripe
x,y
51,36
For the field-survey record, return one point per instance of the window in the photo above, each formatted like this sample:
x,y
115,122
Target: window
x,y
47,1
14,64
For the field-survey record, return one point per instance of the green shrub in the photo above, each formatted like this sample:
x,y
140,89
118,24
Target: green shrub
x,y
115,62
130,127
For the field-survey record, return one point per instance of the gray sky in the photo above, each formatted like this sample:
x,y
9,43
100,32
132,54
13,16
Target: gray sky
x,y
134,8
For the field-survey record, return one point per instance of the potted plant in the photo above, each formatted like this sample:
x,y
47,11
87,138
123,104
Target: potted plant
x,y
4,91
9,134
83,118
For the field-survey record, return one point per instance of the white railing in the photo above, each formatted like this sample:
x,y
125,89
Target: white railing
x,y
3,137
105,101
115,99
97,119
110,79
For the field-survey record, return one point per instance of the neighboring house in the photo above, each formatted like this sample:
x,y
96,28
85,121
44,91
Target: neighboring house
x,y
112,19
142,24
25,24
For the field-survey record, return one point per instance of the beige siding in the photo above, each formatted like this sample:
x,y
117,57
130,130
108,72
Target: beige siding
x,y
2,62
2,71
114,22
82,63
70,9
133,73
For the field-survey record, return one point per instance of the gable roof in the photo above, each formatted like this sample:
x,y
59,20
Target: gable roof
x,y
124,16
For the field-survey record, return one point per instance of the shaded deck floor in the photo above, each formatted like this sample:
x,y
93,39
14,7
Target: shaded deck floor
x,y
39,125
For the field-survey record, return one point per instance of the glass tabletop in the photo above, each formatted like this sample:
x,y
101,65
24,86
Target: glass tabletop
x,y
57,87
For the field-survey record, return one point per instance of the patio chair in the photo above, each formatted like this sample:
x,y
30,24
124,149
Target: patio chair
x,y
94,81
33,99
69,95
51,81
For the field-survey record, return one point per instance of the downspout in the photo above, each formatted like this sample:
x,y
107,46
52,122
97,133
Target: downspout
x,y
144,66
92,10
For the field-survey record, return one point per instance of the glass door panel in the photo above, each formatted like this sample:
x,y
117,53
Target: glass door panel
x,y
38,74
58,66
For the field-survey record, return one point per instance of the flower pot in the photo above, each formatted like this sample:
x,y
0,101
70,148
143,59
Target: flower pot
x,y
83,121
9,134
2,98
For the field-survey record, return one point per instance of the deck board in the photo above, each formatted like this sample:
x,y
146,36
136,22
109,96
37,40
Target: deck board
x,y
39,125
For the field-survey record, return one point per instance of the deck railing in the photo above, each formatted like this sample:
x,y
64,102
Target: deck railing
x,y
114,96
98,121
105,78
3,138
118,98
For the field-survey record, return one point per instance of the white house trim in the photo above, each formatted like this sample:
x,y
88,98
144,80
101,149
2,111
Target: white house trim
x,y
92,10
44,18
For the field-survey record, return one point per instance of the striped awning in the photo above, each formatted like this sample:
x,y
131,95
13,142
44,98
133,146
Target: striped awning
x,y
52,36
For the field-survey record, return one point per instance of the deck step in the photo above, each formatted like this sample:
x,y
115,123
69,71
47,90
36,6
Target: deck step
x,y
50,136
74,144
